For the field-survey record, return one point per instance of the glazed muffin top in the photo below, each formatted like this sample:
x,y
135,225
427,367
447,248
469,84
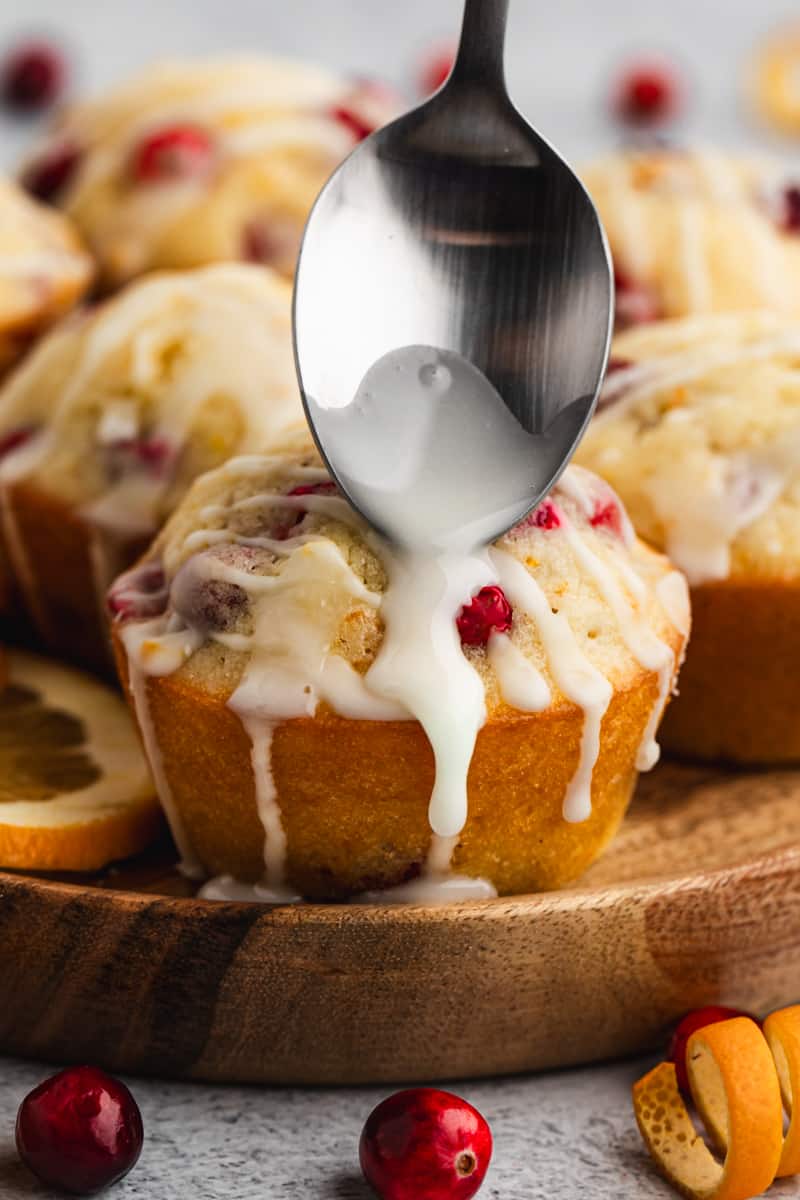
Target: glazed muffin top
x,y
266,589
118,409
694,231
198,162
43,266
698,428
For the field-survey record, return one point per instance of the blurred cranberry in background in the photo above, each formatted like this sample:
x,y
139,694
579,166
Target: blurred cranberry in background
x,y
48,175
173,152
33,76
648,92
436,65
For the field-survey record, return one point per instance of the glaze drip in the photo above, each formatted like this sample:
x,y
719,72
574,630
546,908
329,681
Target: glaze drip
x,y
421,671
703,463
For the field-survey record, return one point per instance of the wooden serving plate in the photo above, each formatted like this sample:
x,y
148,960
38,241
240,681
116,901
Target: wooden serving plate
x,y
697,901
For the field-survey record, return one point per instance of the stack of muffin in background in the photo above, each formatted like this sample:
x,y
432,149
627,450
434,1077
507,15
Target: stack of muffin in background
x,y
145,264
159,422
698,426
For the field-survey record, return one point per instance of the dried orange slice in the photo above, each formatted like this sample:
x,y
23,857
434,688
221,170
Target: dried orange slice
x,y
735,1087
75,793
782,1031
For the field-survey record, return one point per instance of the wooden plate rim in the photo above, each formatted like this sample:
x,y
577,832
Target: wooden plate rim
x,y
784,860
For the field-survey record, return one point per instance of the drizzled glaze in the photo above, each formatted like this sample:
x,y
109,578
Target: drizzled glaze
x,y
692,376
420,672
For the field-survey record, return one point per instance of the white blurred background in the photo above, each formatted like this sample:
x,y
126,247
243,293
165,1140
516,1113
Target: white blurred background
x,y
561,56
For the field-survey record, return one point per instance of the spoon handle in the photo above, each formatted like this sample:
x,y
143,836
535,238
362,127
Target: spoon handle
x,y
480,57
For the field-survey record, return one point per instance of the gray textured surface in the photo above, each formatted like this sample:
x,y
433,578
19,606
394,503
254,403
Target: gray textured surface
x,y
557,1137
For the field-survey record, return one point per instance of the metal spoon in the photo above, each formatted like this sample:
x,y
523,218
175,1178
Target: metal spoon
x,y
452,310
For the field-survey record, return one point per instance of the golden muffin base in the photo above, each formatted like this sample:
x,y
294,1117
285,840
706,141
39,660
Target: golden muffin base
x,y
354,794
739,694
60,598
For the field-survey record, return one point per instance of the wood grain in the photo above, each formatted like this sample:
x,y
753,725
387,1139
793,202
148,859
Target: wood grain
x,y
697,901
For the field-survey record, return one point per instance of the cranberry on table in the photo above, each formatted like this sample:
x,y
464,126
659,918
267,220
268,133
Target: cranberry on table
x,y
425,1143
173,153
648,93
32,77
699,1018
79,1131
487,612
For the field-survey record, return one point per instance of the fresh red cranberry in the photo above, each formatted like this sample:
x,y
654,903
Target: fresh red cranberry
x,y
208,604
271,241
139,593
15,438
436,68
79,1131
287,522
607,515
545,516
153,454
355,122
698,1019
32,77
178,152
257,244
610,396
328,488
636,303
618,364
49,174
647,94
365,108
487,612
790,209
156,453
425,1143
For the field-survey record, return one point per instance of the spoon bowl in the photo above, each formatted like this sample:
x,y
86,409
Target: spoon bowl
x,y
452,309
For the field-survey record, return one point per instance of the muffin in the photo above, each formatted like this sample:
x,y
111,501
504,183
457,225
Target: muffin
x,y
114,414
198,162
698,232
698,428
44,270
264,643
